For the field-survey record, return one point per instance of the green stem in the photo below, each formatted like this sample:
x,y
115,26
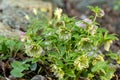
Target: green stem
x,y
77,76
95,17
57,49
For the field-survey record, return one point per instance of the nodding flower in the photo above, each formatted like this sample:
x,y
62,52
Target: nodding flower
x,y
101,13
58,72
35,11
81,62
107,45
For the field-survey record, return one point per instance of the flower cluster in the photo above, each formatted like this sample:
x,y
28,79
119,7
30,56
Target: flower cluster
x,y
71,48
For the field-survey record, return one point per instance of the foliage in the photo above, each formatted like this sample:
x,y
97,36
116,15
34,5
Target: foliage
x,y
70,47
65,47
9,47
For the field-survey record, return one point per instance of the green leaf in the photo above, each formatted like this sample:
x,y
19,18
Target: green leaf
x,y
70,73
60,63
16,64
18,45
103,78
90,75
99,66
10,44
113,55
18,68
16,73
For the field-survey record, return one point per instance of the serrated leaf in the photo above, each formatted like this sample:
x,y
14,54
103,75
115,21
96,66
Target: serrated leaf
x,y
16,73
70,73
18,68
113,55
98,66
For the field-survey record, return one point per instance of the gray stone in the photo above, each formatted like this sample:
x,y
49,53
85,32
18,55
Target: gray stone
x,y
8,32
13,12
38,77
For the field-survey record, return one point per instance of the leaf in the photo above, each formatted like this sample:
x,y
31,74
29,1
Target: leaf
x,y
18,68
10,44
90,75
113,55
60,63
99,66
70,73
53,54
17,65
18,45
111,37
103,78
33,67
16,73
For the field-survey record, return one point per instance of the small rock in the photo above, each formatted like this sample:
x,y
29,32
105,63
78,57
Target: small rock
x,y
8,32
38,77
14,12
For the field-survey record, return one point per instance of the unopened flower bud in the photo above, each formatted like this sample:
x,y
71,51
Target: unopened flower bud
x,y
35,11
58,13
27,17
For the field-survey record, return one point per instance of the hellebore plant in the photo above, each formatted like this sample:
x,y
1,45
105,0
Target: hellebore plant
x,y
71,48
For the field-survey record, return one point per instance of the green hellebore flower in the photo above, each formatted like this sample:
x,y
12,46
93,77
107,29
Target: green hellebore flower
x,y
93,29
58,72
63,33
101,13
33,50
81,62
